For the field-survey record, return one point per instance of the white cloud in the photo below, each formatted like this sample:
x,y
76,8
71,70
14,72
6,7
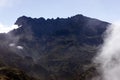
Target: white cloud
x,y
19,47
12,44
5,28
109,56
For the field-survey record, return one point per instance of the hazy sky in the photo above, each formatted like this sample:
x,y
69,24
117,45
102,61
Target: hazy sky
x,y
10,10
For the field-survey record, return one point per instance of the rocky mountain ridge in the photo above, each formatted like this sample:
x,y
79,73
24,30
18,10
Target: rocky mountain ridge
x,y
55,49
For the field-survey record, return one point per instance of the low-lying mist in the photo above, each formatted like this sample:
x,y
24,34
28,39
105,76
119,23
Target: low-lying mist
x,y
9,40
108,56
5,28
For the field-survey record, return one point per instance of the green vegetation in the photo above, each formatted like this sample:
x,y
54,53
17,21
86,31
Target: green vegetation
x,y
7,73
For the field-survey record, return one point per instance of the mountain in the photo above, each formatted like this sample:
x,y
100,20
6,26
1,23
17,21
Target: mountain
x,y
45,34
55,49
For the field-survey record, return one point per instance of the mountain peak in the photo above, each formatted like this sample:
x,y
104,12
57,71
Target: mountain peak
x,y
78,15
75,25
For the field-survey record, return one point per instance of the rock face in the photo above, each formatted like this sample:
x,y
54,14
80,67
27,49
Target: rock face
x,y
55,49
44,35
80,26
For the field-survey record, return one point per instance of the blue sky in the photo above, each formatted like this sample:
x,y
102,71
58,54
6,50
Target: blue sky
x,y
10,10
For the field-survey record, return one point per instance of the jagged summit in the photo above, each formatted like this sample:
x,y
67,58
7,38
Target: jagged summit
x,y
25,17
78,25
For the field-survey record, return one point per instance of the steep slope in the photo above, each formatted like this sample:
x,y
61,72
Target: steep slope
x,y
56,49
10,58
